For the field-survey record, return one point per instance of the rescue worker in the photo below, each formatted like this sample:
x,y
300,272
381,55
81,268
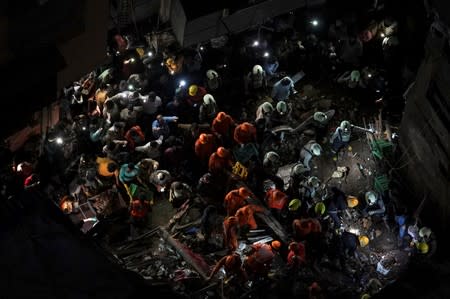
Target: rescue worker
x,y
245,216
232,265
222,125
320,125
337,204
139,209
245,133
427,236
220,161
282,89
277,202
282,114
296,256
271,163
256,80
308,151
213,80
135,137
236,199
230,233
179,192
375,204
341,136
204,147
309,190
304,228
208,109
297,176
259,261
128,173
195,95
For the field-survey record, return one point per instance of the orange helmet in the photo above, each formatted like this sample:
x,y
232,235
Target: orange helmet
x,y
276,245
221,116
203,138
222,152
243,192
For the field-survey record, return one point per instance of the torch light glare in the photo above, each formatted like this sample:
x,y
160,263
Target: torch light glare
x,y
255,43
150,54
182,83
130,87
201,48
315,22
266,54
59,140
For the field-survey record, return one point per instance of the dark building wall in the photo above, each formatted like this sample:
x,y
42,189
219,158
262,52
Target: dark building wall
x,y
424,135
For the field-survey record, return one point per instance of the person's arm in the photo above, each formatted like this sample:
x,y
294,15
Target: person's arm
x,y
142,148
170,119
217,267
380,210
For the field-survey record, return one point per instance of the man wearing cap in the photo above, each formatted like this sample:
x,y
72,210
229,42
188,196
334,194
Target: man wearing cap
x,y
208,109
236,199
223,125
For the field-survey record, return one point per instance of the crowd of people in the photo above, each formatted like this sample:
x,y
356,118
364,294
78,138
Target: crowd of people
x,y
166,124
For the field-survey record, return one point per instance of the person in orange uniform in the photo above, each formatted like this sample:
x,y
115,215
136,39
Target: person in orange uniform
x,y
236,199
222,125
296,256
261,257
303,228
205,145
139,209
232,264
135,137
246,216
220,161
230,233
245,133
277,202
107,168
195,95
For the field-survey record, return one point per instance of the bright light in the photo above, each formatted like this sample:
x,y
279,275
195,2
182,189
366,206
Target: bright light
x,y
266,54
172,72
132,59
224,65
59,140
162,63
255,43
130,87
382,34
182,83
369,75
117,53
150,54
314,22
84,128
201,48
377,90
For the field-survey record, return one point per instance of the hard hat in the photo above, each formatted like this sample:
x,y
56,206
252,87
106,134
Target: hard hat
x,y
294,204
319,209
243,192
314,181
203,138
222,152
345,125
316,149
170,61
355,75
298,169
221,116
425,232
282,107
211,74
320,116
276,245
257,69
272,156
193,90
161,176
267,107
285,81
363,241
208,99
371,198
365,296
352,201
422,247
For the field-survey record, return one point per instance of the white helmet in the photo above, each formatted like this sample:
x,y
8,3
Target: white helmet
x,y
161,176
267,107
425,232
314,182
371,198
211,74
299,169
272,157
257,69
282,107
345,125
208,99
320,116
316,149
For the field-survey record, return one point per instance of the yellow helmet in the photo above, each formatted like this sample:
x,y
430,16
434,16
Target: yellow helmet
x,y
319,208
352,201
294,204
365,296
422,247
193,90
363,241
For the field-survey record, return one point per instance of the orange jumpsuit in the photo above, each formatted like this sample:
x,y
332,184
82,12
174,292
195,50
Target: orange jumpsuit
x,y
259,262
230,232
204,150
296,255
233,201
217,164
138,140
223,126
304,227
245,215
276,199
245,133
233,266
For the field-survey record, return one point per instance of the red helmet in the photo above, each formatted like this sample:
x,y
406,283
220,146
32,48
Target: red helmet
x,y
243,192
203,138
222,152
221,116
276,245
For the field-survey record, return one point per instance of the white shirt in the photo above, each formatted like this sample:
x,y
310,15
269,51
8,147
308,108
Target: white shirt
x,y
150,106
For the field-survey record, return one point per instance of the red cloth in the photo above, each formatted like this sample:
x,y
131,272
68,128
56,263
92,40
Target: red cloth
x,y
276,199
233,201
138,140
204,150
297,257
222,127
139,209
246,215
217,164
245,133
